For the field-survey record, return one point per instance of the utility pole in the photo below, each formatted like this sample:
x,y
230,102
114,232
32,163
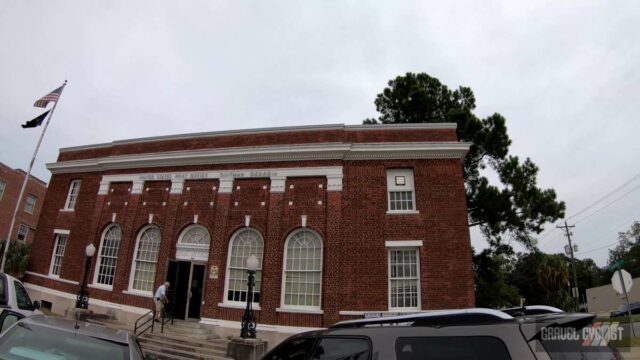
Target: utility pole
x,y
574,291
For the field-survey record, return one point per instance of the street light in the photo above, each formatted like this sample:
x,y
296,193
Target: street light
x,y
82,300
248,329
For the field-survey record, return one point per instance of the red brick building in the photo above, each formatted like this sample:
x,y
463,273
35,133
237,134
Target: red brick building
x,y
344,220
11,181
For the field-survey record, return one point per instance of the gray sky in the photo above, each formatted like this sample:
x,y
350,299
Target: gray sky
x,y
564,74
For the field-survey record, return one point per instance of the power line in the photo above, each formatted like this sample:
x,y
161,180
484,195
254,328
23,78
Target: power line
x,y
633,178
609,204
596,249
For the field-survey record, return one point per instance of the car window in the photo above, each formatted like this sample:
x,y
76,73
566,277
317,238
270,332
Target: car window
x,y
342,349
574,350
22,298
450,348
52,343
8,320
293,349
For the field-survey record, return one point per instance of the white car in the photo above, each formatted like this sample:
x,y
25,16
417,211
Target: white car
x,y
14,297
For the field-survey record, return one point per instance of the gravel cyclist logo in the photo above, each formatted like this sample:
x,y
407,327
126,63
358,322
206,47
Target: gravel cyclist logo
x,y
598,334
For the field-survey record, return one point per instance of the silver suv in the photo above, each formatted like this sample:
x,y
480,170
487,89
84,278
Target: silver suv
x,y
454,334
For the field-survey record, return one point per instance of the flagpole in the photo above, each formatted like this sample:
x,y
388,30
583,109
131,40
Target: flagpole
x,y
26,180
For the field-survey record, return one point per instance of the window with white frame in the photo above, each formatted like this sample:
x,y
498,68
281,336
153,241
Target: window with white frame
x,y
401,190
72,196
3,185
244,243
195,235
23,231
404,279
302,270
144,266
30,204
58,254
108,255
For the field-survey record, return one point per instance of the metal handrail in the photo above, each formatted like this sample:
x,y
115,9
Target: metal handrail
x,y
166,319
139,326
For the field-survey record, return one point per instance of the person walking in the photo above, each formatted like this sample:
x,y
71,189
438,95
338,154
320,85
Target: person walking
x,y
161,299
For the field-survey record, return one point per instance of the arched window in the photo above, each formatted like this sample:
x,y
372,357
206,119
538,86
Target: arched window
x,y
146,257
193,244
195,235
302,270
108,255
244,243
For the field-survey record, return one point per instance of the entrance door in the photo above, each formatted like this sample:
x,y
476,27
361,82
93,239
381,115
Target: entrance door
x,y
195,295
185,293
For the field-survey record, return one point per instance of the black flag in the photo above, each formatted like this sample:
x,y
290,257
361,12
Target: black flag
x,y
37,121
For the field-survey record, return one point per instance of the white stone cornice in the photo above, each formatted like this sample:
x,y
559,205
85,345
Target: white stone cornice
x,y
326,151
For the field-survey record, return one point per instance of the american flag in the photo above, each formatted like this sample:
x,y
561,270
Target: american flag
x,y
52,96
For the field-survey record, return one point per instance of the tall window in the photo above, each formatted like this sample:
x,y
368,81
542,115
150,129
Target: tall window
x,y
401,189
58,253
303,270
30,204
74,190
23,231
146,258
244,243
404,279
3,185
108,255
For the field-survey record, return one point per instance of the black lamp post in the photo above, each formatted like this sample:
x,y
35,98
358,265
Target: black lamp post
x,y
248,329
82,300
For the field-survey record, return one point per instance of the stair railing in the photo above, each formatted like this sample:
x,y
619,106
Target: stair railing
x,y
167,316
141,326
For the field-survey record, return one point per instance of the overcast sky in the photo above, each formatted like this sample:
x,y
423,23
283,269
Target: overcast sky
x,y
566,75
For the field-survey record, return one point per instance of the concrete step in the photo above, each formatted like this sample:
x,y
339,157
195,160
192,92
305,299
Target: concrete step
x,y
184,341
162,354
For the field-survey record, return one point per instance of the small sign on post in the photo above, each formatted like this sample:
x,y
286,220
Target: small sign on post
x,y
621,282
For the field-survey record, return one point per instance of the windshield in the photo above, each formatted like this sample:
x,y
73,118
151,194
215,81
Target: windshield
x,y
38,343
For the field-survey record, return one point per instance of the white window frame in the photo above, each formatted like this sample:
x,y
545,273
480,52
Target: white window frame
x,y
72,195
96,273
134,261
408,185
242,304
3,186
404,245
33,206
58,233
26,233
299,308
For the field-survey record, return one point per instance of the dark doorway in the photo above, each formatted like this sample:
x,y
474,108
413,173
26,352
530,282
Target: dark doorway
x,y
195,297
185,293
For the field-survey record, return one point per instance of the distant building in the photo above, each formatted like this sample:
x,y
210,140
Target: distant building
x,y
27,219
604,299
345,220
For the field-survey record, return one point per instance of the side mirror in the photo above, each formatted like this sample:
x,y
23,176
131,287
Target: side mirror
x,y
36,305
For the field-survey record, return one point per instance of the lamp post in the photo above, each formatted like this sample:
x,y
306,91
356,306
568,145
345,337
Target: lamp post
x,y
248,329
82,300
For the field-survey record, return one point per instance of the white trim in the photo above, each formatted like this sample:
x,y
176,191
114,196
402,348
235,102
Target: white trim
x,y
402,212
96,271
192,252
146,294
56,236
299,311
297,308
67,210
62,231
300,152
260,327
233,238
420,126
238,305
71,187
100,286
92,301
418,306
402,243
52,277
132,274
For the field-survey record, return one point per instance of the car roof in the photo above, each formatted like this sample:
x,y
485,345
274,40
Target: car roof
x,y
78,327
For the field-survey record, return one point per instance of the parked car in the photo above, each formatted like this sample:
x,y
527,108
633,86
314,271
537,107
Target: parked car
x,y
454,334
57,338
622,310
14,297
